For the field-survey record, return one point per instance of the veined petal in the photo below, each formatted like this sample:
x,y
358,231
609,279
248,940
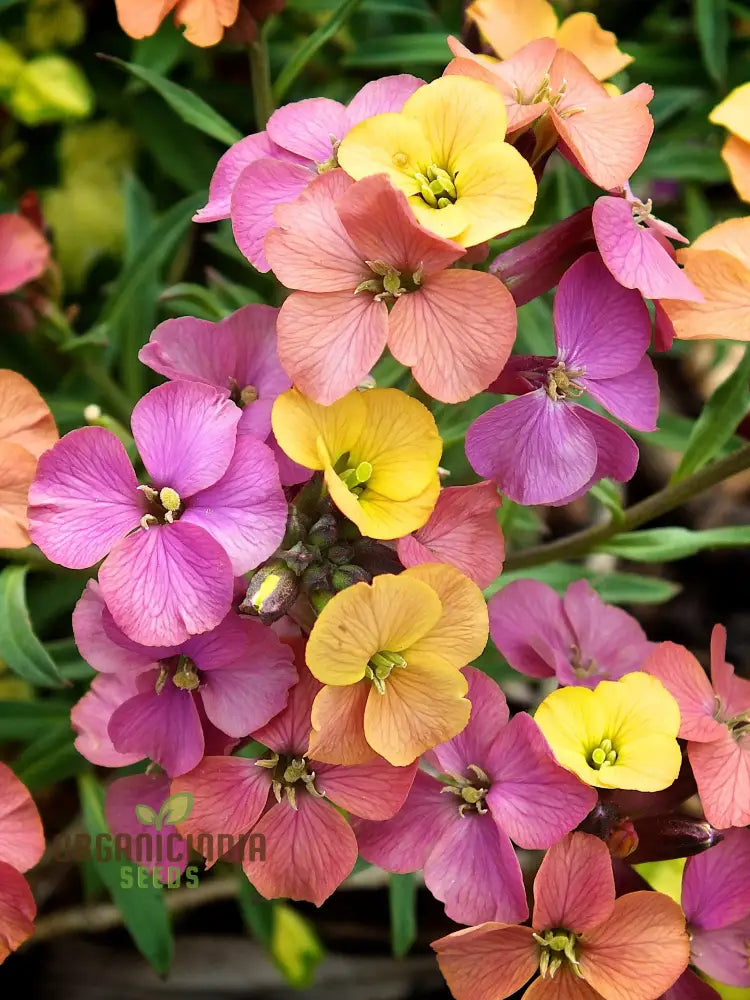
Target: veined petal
x,y
528,626
716,884
722,773
375,790
488,962
228,169
391,143
460,633
338,720
379,516
686,680
98,648
378,96
25,418
616,452
574,887
597,49
17,910
564,986
496,189
90,717
724,280
289,731
632,397
299,424
21,834
722,954
307,127
734,691
17,469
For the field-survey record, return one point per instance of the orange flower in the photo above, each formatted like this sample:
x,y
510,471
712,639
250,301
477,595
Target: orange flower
x,y
734,114
204,20
26,430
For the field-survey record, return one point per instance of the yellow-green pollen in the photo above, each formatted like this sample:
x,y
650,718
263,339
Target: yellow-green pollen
x,y
185,675
558,947
165,504
380,666
290,775
389,283
544,94
471,790
602,756
437,187
561,383
333,160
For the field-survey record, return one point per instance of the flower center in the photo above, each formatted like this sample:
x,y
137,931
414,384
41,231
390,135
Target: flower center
x,y
183,672
561,382
164,505
379,668
290,776
333,160
558,946
602,756
581,667
239,395
642,212
354,477
437,187
389,283
472,790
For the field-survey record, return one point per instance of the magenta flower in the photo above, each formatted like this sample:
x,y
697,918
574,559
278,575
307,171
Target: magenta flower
x,y
577,638
352,250
224,683
462,531
310,848
216,510
503,784
543,448
155,847
716,723
273,167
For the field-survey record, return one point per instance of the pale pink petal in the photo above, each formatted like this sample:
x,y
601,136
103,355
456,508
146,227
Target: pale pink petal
x,y
155,849
90,717
373,791
84,498
634,257
309,851
528,627
24,252
17,910
462,531
309,128
686,680
380,96
21,834
185,433
329,342
733,691
574,887
289,731
722,954
716,884
489,716
632,397
168,583
722,773
488,962
96,646
455,333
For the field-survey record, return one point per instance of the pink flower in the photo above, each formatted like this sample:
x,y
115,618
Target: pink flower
x,y
290,800
352,249
577,638
24,252
462,531
503,784
154,847
543,448
215,511
224,683
585,943
21,846
274,167
715,722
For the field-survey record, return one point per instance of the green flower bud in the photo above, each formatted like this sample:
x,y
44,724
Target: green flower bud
x,y
324,532
346,576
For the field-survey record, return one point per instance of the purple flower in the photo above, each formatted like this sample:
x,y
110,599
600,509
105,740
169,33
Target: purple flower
x,y
270,168
543,448
215,510
211,690
577,638
502,783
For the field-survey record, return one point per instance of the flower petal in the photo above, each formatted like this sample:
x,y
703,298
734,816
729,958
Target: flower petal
x,y
686,681
374,791
289,731
528,626
574,887
21,834
733,691
379,516
378,96
616,452
736,154
511,24
724,280
489,716
24,252
299,424
632,397
722,954
722,773
90,717
309,127
338,720
227,172
716,884
17,470
95,644
25,418
488,962
597,49
565,985
155,848
17,910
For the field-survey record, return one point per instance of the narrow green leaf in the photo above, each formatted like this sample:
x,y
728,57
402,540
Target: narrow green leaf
x,y
257,912
420,49
665,544
712,27
722,413
19,647
608,495
191,108
26,720
50,758
143,909
402,899
613,588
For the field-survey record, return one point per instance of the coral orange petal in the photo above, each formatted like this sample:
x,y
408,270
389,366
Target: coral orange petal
x,y
141,18
338,718
509,24
487,962
725,283
564,986
205,20
597,49
17,910
25,418
574,887
17,468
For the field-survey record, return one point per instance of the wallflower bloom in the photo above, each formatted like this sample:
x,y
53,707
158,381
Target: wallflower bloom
x,y
718,263
546,87
503,784
716,724
354,251
291,800
586,944
27,429
21,846
24,252
621,734
734,114
508,25
462,531
379,451
155,849
577,637
445,150
544,448
215,510
390,654
204,20
270,168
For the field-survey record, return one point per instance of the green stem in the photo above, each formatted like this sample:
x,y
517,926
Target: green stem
x,y
674,495
260,76
115,400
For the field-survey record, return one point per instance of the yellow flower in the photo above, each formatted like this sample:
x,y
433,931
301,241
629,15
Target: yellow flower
x,y
445,150
621,734
379,451
734,114
390,653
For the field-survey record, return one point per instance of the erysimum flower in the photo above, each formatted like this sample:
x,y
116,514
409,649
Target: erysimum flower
x,y
718,263
379,452
154,848
586,944
577,638
27,429
355,251
621,734
293,801
216,509
734,114
545,448
445,150
390,654
273,167
546,87
508,25
462,531
204,20
21,846
715,722
24,252
503,784
235,678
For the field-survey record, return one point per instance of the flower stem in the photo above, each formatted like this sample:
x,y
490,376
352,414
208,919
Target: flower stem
x,y
674,495
260,76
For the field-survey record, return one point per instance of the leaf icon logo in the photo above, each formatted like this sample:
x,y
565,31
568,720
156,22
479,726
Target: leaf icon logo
x,y
174,810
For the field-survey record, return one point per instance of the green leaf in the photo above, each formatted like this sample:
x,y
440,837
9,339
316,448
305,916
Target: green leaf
x,y
50,758
423,48
295,947
26,720
402,899
723,411
176,808
712,27
608,495
665,544
19,647
257,912
191,108
143,910
613,588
